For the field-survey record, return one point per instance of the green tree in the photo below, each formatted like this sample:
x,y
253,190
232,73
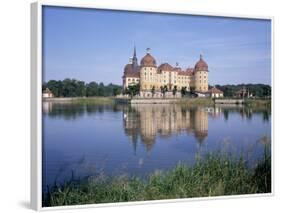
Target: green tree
x,y
55,87
116,91
153,91
175,90
68,88
133,90
101,90
92,89
183,91
192,90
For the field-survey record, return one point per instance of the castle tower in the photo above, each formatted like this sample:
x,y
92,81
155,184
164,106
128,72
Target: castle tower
x,y
147,71
201,76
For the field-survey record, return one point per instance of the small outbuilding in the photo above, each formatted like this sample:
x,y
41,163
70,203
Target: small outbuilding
x,y
242,93
215,93
47,93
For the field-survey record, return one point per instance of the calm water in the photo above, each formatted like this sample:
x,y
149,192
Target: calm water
x,y
81,140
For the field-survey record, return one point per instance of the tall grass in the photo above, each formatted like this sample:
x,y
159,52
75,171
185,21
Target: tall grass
x,y
214,176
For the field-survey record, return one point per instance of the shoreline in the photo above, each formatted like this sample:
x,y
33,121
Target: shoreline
x,y
208,102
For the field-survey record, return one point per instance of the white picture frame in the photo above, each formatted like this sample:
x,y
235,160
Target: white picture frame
x,y
36,101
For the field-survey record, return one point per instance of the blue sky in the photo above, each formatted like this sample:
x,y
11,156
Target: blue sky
x,y
95,45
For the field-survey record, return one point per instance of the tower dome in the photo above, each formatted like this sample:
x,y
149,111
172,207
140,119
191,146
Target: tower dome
x,y
148,60
128,68
166,67
201,65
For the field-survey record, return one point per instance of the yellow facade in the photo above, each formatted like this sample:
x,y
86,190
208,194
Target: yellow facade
x,y
150,76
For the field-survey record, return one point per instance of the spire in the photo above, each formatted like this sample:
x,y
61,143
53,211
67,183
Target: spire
x,y
135,54
201,56
135,59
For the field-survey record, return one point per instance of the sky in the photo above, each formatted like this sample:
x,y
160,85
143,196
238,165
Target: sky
x,y
95,45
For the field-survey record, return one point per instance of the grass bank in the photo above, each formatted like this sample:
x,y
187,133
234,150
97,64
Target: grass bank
x,y
94,100
190,102
258,103
214,176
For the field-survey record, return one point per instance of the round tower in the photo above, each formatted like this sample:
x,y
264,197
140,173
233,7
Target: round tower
x,y
147,72
201,76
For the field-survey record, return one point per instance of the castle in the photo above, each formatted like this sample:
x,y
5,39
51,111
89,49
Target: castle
x,y
152,78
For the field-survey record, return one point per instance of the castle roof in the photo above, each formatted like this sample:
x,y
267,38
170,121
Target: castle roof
x,y
165,66
215,90
148,61
130,71
201,65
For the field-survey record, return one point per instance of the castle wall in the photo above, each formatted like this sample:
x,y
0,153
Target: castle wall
x,y
201,81
127,81
149,77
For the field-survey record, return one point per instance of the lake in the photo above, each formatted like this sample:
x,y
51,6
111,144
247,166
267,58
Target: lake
x,y
81,140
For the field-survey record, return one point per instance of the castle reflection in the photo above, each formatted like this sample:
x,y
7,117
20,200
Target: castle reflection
x,y
146,122
149,121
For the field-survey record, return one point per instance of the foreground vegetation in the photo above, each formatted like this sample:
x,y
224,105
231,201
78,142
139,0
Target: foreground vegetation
x,y
214,176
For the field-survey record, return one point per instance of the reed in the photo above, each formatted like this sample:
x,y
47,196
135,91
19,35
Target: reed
x,y
214,175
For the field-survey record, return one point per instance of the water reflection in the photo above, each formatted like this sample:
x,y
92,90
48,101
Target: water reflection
x,y
149,121
138,139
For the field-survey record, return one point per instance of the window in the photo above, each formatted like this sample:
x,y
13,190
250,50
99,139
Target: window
x,y
129,79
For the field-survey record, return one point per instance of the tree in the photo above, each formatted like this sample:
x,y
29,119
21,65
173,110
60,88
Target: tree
x,y
116,91
192,90
55,87
175,90
133,90
183,91
69,88
101,90
153,91
80,89
164,89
